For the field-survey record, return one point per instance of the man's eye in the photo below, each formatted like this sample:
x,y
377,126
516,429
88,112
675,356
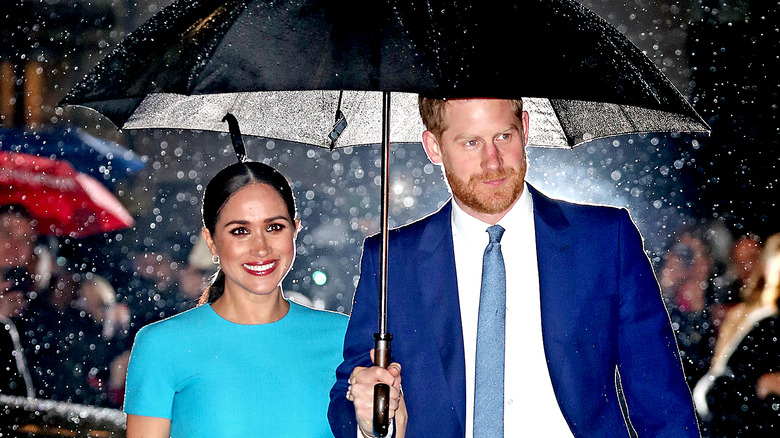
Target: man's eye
x,y
504,136
472,143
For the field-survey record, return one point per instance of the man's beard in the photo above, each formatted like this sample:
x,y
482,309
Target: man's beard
x,y
484,199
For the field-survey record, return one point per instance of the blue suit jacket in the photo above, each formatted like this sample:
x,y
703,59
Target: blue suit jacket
x,y
601,310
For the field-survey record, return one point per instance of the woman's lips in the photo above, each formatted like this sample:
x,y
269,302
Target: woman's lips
x,y
261,269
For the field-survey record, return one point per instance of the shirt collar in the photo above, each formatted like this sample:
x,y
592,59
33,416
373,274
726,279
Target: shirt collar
x,y
519,215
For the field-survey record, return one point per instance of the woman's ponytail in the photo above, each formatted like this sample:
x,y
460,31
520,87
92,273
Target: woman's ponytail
x,y
215,290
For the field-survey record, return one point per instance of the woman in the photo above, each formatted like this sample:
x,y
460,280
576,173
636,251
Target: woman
x,y
685,280
246,362
740,395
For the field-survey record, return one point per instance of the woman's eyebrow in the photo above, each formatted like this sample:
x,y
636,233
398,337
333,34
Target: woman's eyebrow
x,y
279,217
266,220
237,222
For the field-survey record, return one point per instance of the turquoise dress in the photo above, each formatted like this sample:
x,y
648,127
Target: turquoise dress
x,y
215,378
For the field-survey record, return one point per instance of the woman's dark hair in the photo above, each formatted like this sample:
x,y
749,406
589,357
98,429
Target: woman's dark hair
x,y
19,278
224,185
16,209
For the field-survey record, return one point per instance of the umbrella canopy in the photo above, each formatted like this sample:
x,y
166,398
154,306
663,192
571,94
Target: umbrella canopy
x,y
292,69
62,200
104,160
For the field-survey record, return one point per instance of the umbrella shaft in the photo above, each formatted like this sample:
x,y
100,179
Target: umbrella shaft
x,y
384,213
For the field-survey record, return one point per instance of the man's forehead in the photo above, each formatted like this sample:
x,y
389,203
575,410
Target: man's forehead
x,y
514,124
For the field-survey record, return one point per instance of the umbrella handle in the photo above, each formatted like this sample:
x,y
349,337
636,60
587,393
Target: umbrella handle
x,y
381,409
381,390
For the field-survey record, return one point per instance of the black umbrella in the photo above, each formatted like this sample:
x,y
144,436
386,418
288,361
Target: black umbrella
x,y
320,72
195,61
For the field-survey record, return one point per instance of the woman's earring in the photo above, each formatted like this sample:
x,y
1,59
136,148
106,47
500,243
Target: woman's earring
x,y
215,259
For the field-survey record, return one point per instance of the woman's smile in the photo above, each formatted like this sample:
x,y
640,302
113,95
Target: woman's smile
x,y
261,268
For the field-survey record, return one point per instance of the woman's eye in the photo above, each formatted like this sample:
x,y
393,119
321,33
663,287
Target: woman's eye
x,y
275,227
239,231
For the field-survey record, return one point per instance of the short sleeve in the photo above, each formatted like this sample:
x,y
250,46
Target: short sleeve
x,y
150,388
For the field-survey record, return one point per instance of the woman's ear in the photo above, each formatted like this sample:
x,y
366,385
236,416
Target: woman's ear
x,y
209,241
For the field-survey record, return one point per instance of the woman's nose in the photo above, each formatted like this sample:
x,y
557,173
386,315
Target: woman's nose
x,y
260,245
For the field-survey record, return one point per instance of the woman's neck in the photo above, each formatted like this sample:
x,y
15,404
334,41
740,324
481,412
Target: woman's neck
x,y
243,308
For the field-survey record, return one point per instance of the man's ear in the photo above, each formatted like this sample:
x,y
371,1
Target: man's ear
x,y
526,130
432,147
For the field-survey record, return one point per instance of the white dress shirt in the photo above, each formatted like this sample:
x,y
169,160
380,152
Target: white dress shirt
x,y
530,406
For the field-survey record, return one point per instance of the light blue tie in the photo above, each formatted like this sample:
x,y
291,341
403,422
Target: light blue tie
x,y
489,381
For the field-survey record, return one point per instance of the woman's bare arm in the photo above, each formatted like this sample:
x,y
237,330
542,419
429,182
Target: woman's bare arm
x,y
139,426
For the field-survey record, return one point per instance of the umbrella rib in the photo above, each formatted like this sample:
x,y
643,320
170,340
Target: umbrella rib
x,y
569,139
238,104
340,123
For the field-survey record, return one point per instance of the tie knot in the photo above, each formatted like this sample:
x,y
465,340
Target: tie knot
x,y
495,232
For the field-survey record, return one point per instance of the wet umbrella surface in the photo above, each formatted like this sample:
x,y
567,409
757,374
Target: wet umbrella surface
x,y
63,202
193,62
106,161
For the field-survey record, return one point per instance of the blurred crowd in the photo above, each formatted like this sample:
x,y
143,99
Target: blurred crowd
x,y
722,291
67,333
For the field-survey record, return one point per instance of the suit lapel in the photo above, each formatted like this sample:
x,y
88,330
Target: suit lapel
x,y
557,266
438,278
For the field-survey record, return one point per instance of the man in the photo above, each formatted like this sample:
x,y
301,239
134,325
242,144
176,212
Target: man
x,y
15,379
17,237
581,303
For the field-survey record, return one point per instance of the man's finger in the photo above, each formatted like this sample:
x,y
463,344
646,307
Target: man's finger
x,y
395,370
373,375
355,371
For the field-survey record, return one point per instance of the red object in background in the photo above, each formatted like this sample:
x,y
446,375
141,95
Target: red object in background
x,y
62,200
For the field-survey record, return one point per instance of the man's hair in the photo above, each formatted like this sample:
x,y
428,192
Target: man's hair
x,y
432,113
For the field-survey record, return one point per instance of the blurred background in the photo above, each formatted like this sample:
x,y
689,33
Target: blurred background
x,y
720,191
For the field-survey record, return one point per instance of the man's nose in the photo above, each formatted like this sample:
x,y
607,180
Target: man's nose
x,y
491,157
